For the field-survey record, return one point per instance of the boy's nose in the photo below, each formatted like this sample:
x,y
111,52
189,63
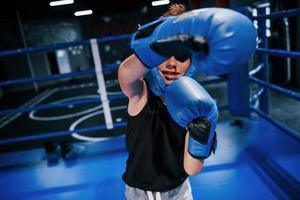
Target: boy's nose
x,y
171,64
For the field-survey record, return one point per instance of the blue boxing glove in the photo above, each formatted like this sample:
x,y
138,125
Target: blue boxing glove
x,y
142,40
193,108
218,40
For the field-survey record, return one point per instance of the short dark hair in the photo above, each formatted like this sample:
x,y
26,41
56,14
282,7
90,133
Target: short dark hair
x,y
174,10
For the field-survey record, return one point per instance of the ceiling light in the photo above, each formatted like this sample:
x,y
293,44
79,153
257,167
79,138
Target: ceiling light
x,y
159,3
83,12
62,2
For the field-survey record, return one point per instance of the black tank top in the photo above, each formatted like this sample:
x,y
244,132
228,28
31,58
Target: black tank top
x,y
155,145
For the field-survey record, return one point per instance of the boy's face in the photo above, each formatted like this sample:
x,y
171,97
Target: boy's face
x,y
172,69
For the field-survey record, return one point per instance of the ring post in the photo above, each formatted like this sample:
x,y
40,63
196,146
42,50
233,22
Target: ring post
x,y
238,89
101,84
238,92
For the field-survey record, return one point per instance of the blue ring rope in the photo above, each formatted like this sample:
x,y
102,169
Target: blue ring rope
x,y
106,68
63,104
281,90
46,78
68,132
61,45
58,134
78,102
290,132
279,53
280,14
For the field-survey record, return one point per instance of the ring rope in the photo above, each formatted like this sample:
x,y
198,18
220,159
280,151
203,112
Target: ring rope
x,y
66,104
279,53
78,102
290,132
281,90
58,134
278,15
109,68
61,45
80,120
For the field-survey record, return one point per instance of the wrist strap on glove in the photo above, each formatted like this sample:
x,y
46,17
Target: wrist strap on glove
x,y
199,130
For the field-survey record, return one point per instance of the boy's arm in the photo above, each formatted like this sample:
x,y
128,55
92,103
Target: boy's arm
x,y
192,166
130,75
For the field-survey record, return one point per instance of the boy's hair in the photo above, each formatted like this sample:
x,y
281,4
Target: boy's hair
x,y
174,10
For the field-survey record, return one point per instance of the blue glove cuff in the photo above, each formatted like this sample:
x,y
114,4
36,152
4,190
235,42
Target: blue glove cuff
x,y
202,151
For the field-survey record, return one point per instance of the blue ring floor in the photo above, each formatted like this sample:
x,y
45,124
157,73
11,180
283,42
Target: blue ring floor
x,y
255,161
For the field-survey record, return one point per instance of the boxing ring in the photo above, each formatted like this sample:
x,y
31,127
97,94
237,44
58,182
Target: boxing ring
x,y
259,158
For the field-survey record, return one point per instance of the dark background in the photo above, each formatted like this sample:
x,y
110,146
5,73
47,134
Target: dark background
x,y
34,23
